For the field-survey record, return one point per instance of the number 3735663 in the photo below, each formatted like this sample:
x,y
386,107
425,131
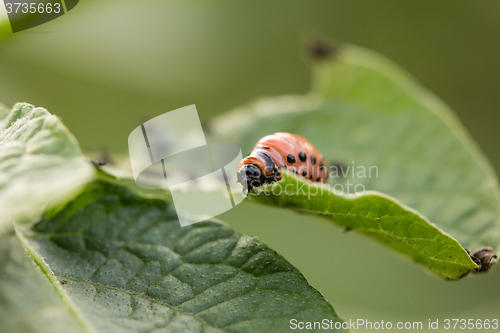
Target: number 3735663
x,y
40,8
470,324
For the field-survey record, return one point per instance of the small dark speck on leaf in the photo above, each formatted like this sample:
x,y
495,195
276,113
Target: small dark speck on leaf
x,y
63,282
347,229
321,49
98,163
102,158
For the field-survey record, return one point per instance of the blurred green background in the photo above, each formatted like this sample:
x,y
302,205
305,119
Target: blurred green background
x,y
107,66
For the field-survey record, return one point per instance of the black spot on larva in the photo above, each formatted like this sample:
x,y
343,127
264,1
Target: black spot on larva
x,y
318,179
304,172
312,175
290,158
295,172
313,159
282,167
302,156
321,165
266,147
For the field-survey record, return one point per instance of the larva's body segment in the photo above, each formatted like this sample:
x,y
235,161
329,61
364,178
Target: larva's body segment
x,y
282,150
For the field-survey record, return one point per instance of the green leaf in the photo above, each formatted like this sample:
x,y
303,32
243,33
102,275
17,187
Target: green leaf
x,y
125,264
28,301
40,163
376,215
115,259
364,111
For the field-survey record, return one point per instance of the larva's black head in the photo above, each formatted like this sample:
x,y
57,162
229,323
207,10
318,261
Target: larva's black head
x,y
251,175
